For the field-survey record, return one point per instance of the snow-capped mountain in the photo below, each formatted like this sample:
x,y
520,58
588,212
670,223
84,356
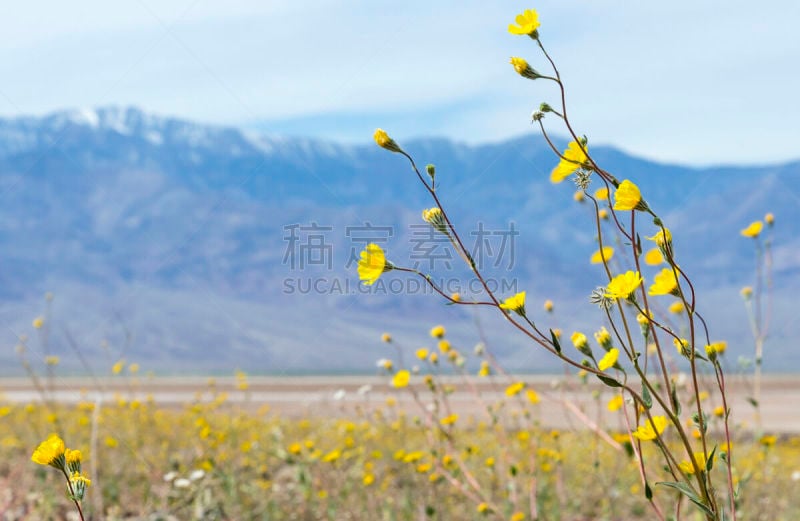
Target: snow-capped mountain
x,y
201,240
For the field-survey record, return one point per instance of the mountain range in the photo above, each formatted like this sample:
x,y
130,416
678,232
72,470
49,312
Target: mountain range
x,y
192,248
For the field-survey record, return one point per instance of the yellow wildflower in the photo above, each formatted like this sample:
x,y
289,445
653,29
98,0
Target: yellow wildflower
x,y
719,411
662,238
401,379
768,440
548,305
653,257
606,253
573,158
769,219
532,396
50,452
624,285
523,69
603,337
716,348
579,196
332,456
51,360
515,303
609,359
687,467
580,341
422,353
527,23
438,332
38,322
682,346
753,229
483,508
601,194
450,419
517,516
615,403
433,358
384,141
118,367
664,283
515,388
386,337
651,429
628,197
372,264
456,297
677,307
603,214
368,479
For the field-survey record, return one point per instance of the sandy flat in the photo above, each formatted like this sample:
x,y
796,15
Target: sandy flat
x,y
564,402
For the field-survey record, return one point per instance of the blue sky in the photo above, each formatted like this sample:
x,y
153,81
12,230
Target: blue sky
x,y
690,82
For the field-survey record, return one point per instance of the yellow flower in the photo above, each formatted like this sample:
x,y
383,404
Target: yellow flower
x,y
606,253
456,297
384,141
515,388
603,214
548,305
386,337
601,194
118,367
579,340
532,396
483,508
515,303
523,69
517,516
133,368
628,197
662,238
51,360
769,219
682,346
332,456
653,257
579,196
664,283
78,478
687,467
609,359
372,264
72,456
449,419
422,353
573,158
753,230
50,452
485,369
719,411
651,429
38,322
615,403
677,307
768,440
746,292
527,23
368,479
437,332
623,286
716,348
401,379
603,337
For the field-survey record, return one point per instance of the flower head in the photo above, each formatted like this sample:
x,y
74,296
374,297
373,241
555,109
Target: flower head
x,y
609,360
769,219
548,305
523,69
616,403
665,283
603,255
384,141
438,332
581,343
623,285
601,194
38,322
651,429
653,257
372,264
677,307
573,157
753,229
527,23
663,238
50,452
401,379
435,217
603,337
628,197
515,388
515,303
688,468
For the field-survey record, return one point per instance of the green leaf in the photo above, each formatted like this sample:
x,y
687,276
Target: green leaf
x,y
556,342
675,401
648,492
646,398
609,381
710,462
684,489
752,401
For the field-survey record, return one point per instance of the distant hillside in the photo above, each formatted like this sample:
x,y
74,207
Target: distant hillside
x,y
185,236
